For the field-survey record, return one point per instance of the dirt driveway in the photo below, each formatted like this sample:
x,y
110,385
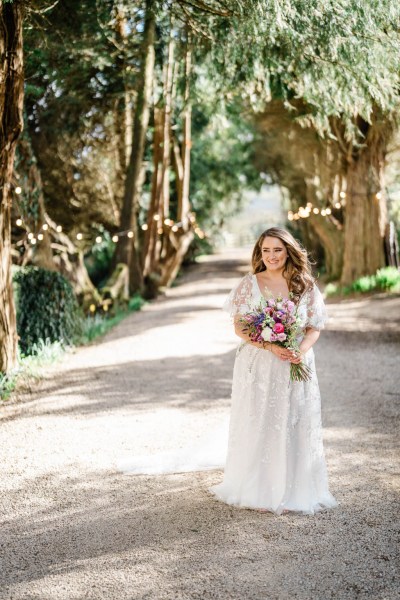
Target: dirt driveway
x,y
73,527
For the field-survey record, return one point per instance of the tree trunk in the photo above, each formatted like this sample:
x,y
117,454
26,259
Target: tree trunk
x,y
177,243
365,216
11,122
151,241
128,248
159,207
183,197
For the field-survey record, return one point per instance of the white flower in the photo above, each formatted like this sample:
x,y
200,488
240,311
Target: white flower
x,y
266,334
279,305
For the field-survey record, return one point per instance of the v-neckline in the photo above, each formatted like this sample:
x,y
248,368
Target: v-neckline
x,y
265,287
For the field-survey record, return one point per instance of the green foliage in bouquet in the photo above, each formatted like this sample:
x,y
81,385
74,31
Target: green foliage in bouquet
x,y
47,308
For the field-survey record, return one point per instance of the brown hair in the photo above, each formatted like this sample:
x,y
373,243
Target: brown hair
x,y
297,269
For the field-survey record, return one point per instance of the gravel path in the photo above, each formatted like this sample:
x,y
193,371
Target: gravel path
x,y
73,527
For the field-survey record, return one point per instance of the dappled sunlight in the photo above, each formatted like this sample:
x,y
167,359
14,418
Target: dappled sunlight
x,y
158,386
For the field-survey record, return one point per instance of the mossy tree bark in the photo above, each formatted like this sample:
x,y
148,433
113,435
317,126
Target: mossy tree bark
x,y
11,122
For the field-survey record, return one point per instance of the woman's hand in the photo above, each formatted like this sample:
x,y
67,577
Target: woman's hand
x,y
298,358
283,353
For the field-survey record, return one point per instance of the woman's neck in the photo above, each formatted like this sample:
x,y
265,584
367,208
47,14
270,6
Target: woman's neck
x,y
274,275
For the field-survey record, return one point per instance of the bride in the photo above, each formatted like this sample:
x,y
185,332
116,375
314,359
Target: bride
x,y
275,459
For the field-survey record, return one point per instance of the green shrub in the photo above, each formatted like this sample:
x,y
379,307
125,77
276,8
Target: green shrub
x,y
47,309
364,284
388,278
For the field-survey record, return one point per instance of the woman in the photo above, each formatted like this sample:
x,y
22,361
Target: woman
x,y
275,458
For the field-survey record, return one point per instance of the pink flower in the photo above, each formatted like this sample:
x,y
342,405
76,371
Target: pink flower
x,y
281,337
279,328
290,305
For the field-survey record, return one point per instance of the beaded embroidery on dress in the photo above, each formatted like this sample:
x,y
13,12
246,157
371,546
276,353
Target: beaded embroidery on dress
x,y
275,458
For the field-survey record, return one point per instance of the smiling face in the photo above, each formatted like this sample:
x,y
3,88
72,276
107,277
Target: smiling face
x,y
274,253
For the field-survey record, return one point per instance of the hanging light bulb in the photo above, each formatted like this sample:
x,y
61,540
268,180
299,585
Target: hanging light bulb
x,y
59,228
309,204
130,234
30,235
378,196
156,217
328,211
338,205
342,194
159,230
323,212
99,239
45,227
290,216
115,239
33,241
40,236
92,308
175,228
315,210
145,227
79,236
18,222
18,190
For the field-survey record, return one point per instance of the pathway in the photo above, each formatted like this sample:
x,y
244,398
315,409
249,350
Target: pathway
x,y
73,527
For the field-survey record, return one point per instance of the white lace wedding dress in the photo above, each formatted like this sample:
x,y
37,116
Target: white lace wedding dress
x,y
275,457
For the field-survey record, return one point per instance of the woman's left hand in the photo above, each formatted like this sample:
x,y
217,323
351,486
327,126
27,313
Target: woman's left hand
x,y
298,358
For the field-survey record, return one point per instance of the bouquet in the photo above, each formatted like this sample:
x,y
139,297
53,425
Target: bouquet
x,y
277,322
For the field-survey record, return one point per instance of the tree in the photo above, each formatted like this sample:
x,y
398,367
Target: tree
x,y
342,61
11,99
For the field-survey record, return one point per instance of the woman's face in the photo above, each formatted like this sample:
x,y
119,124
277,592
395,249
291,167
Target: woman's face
x,y
274,253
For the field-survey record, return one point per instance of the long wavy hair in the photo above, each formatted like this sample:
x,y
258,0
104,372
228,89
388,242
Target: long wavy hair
x,y
298,267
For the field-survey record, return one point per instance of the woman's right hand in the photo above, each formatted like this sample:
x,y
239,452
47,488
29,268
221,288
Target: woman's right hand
x,y
282,353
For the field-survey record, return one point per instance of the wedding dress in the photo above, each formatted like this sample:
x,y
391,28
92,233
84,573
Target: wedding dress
x,y
275,458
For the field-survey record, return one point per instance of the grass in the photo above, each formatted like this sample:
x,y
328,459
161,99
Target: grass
x,y
30,367
46,353
384,280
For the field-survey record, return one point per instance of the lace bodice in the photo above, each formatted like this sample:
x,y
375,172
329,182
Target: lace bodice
x,y
246,294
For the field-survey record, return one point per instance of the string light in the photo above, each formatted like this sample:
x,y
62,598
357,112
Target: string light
x,y
315,210
338,205
378,196
342,194
328,211
130,234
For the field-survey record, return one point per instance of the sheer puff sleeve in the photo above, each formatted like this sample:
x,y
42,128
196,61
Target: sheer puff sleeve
x,y
317,315
239,299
